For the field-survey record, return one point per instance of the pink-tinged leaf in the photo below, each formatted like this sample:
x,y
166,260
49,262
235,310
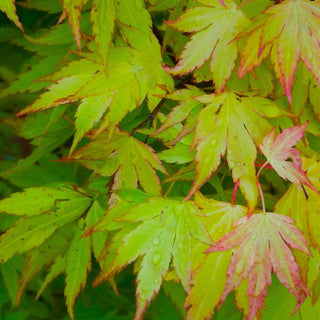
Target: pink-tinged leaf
x,y
217,43
291,30
288,56
250,56
222,3
262,245
279,149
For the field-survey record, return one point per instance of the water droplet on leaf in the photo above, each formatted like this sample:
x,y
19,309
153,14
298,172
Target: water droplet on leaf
x,y
156,258
156,242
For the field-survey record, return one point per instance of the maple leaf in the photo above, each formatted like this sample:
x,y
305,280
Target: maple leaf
x,y
51,232
235,124
44,255
288,31
9,8
164,234
262,246
78,262
72,9
44,210
212,269
210,34
103,16
279,149
125,157
128,83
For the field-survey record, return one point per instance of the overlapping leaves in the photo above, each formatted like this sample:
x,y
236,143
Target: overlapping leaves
x,y
288,31
234,124
164,233
50,233
262,245
279,149
211,273
210,34
125,158
85,80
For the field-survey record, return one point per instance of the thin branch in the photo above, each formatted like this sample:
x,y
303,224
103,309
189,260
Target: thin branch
x,y
150,117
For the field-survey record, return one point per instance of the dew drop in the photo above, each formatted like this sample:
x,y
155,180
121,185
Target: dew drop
x,y
143,292
213,142
156,258
156,281
156,242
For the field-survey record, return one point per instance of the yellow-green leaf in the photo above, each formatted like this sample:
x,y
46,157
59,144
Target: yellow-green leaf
x,y
103,16
78,264
9,8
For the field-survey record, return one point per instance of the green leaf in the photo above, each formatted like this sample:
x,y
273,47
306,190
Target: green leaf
x,y
36,201
165,233
133,14
215,40
211,272
45,255
230,123
58,267
9,8
72,9
98,239
129,159
78,264
103,16
30,232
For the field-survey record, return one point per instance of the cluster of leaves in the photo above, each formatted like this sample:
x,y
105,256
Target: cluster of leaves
x,y
128,127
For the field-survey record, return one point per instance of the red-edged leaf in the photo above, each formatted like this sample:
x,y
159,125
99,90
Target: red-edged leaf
x,y
121,155
279,149
263,246
72,9
288,32
208,25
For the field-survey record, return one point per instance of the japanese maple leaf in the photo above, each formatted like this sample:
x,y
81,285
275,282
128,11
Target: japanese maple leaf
x,y
214,25
72,9
106,97
288,32
211,269
9,8
235,124
164,232
262,245
121,155
279,149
